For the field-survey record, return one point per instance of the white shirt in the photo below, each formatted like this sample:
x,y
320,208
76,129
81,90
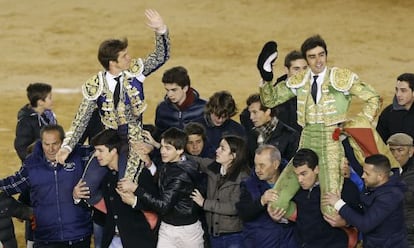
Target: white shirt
x,y
319,81
111,81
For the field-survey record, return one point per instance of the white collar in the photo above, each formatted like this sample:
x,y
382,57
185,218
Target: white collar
x,y
321,76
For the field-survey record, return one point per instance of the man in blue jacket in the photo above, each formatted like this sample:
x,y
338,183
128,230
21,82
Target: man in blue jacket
x,y
59,222
382,222
259,229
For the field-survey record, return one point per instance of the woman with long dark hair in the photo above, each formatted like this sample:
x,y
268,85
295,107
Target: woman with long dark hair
x,y
223,191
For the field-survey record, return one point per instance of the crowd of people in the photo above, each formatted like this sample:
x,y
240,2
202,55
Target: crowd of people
x,y
296,170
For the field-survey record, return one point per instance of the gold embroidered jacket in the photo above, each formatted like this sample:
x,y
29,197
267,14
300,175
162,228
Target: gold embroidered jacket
x,y
96,94
338,88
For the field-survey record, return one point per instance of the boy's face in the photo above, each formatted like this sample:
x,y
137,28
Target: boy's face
x,y
47,103
218,120
175,93
195,144
297,66
404,94
104,156
258,116
169,153
306,176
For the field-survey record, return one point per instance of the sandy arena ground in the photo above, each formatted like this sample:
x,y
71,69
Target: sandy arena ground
x,y
217,41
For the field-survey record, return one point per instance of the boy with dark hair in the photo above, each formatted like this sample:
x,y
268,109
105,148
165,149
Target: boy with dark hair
x,y
218,112
268,129
197,144
33,116
180,224
286,112
312,229
124,226
182,103
399,115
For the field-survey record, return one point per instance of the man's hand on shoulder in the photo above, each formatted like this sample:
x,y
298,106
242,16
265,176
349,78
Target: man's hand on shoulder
x,y
62,155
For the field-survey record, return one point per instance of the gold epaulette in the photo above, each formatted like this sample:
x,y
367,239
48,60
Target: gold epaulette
x,y
135,68
298,80
342,79
93,87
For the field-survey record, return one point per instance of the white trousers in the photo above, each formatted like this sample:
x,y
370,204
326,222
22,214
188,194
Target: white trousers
x,y
190,236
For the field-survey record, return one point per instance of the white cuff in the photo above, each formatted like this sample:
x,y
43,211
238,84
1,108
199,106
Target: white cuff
x,y
135,202
284,221
339,204
152,168
162,30
76,201
67,148
261,83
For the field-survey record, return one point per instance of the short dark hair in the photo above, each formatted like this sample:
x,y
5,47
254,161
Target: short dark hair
x,y
53,127
178,75
305,156
109,138
175,137
37,91
221,104
292,56
274,152
407,77
380,162
256,98
109,50
195,128
311,43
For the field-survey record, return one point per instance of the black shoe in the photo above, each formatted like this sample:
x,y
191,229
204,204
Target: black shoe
x,y
267,56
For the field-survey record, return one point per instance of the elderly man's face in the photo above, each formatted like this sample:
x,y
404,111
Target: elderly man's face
x,y
402,153
265,168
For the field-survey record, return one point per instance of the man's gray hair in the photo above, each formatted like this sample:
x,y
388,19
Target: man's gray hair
x,y
274,153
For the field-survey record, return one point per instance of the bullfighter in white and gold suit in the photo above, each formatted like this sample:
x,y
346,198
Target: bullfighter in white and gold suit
x,y
124,114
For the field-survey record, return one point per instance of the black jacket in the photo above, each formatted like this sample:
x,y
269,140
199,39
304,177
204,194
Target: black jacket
x,y
9,208
311,229
133,228
176,183
285,138
169,115
395,119
407,177
28,128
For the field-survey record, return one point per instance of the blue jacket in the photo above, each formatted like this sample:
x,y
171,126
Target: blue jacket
x,y
215,133
259,230
57,217
169,115
382,222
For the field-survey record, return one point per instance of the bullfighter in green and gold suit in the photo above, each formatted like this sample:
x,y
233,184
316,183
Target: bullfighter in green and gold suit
x,y
320,113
